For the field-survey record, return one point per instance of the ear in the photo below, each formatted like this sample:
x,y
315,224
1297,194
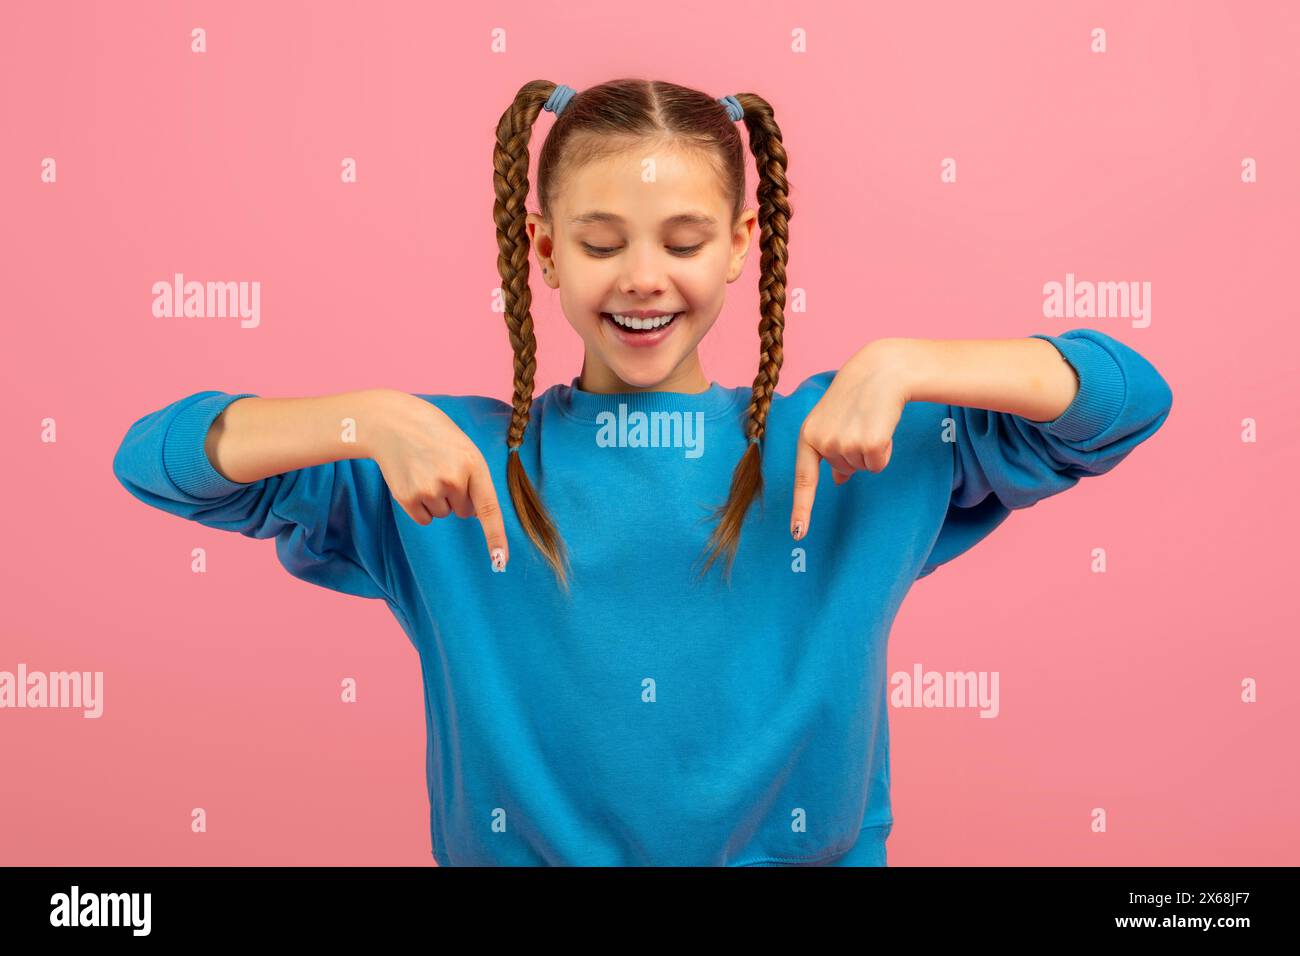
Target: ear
x,y
741,237
543,245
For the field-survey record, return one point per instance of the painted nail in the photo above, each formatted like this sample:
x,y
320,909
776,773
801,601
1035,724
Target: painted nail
x,y
498,559
798,530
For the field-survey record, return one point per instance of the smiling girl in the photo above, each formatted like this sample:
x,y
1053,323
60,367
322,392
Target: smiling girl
x,y
608,701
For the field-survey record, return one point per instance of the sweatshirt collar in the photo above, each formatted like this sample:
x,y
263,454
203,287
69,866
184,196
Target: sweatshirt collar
x,y
585,406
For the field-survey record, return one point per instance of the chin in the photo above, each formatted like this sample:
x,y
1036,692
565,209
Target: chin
x,y
640,381
643,376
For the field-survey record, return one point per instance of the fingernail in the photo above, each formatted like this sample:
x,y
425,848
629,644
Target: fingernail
x,y
498,559
798,530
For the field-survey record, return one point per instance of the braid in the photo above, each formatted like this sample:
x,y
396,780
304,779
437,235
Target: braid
x,y
773,218
510,179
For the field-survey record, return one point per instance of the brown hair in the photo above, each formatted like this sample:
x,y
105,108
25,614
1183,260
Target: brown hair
x,y
606,116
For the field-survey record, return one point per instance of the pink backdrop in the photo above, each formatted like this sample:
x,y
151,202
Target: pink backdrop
x,y
1120,691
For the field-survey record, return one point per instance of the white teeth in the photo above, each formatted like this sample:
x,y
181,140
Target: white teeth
x,y
632,322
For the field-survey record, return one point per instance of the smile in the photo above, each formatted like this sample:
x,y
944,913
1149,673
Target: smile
x,y
641,333
632,324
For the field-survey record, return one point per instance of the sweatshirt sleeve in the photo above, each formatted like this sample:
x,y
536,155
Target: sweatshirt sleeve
x,y
329,520
1004,462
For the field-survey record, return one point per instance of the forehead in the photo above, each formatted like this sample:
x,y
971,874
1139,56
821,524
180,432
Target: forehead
x,y
643,185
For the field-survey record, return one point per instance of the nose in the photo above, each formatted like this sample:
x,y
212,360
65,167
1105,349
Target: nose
x,y
643,273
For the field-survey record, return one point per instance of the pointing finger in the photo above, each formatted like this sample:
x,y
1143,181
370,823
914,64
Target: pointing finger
x,y
807,463
488,511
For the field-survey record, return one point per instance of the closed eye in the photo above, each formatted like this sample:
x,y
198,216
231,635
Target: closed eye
x,y
604,252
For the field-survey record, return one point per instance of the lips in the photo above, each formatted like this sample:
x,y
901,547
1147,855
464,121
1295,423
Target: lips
x,y
641,321
641,337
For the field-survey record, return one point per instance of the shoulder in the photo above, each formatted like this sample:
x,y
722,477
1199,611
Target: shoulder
x,y
488,418
794,407
473,414
811,386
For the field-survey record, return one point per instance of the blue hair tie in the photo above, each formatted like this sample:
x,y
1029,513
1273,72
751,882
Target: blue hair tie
x,y
559,99
754,440
562,94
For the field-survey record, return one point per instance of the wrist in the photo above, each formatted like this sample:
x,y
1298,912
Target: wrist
x,y
911,361
368,410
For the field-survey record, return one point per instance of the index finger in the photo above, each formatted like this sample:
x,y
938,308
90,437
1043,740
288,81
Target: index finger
x,y
488,511
807,464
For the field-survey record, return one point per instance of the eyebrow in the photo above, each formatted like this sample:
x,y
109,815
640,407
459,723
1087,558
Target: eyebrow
x,y
681,219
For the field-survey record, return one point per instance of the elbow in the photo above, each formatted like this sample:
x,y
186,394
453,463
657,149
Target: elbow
x,y
125,465
1163,400
120,465
1151,397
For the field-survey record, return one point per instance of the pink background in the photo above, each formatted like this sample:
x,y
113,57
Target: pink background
x,y
1119,691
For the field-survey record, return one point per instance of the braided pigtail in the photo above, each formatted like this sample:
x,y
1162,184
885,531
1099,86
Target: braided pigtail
x,y
773,218
510,178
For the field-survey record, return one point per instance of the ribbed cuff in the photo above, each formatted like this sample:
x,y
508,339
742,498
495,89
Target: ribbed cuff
x,y
1102,391
184,458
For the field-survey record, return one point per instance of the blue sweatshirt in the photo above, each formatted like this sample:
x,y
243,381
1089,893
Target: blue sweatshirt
x,y
648,719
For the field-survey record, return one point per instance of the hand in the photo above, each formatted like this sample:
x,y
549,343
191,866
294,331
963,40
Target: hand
x,y
851,426
433,468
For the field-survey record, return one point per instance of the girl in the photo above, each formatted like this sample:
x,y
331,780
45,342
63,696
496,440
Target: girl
x,y
607,700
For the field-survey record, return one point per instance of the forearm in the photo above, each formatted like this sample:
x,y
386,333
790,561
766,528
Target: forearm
x,y
1022,376
254,438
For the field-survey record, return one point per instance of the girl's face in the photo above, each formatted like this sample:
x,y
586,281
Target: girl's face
x,y
646,230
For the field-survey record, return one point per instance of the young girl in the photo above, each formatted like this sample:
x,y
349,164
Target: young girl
x,y
607,700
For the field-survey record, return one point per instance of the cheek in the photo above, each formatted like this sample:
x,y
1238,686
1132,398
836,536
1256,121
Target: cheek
x,y
703,284
712,270
577,309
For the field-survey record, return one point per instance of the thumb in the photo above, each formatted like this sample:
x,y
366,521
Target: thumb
x,y
807,464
